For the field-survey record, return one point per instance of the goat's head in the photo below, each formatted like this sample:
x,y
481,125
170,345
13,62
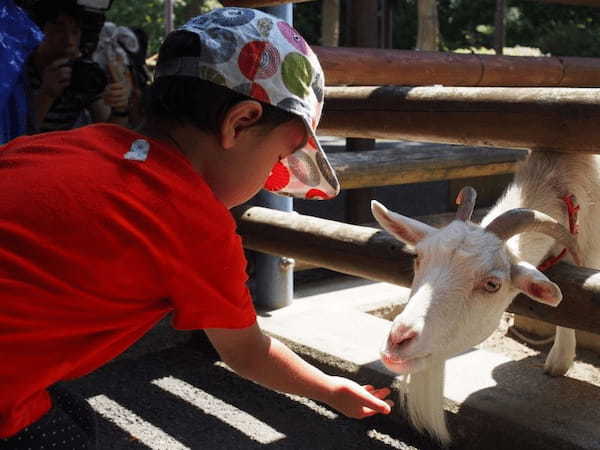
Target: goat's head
x,y
465,278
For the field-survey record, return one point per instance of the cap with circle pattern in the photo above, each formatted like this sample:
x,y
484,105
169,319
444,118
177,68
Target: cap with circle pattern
x,y
263,57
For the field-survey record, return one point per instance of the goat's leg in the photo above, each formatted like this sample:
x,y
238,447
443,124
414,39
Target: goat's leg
x,y
562,353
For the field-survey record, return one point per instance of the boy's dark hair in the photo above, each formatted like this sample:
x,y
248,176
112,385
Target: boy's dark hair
x,y
196,101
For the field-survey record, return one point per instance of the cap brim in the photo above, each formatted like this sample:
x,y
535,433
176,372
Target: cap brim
x,y
305,174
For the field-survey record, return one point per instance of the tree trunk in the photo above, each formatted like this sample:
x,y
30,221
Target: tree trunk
x,y
428,37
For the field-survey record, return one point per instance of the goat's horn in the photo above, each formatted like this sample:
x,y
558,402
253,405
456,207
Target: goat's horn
x,y
466,203
520,220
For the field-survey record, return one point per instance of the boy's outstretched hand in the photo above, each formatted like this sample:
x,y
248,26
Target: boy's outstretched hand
x,y
356,401
270,363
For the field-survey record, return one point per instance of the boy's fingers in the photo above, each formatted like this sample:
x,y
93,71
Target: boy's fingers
x,y
369,387
377,405
381,393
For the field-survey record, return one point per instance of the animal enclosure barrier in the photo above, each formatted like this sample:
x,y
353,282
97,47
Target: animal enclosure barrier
x,y
553,118
377,67
373,254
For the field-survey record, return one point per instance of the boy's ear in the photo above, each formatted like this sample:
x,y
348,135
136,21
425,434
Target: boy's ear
x,y
239,117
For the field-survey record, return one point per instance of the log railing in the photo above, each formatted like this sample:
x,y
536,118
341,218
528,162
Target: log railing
x,y
420,163
378,67
373,254
564,119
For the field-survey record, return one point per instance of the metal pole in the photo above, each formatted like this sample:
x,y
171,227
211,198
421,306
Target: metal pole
x,y
168,16
274,275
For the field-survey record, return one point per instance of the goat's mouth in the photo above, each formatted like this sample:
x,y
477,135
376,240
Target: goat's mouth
x,y
405,365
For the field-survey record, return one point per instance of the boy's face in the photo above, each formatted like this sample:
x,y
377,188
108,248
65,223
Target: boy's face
x,y
249,165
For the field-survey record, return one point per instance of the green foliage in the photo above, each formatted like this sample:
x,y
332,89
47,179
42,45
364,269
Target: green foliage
x,y
307,20
566,30
563,30
150,16
557,29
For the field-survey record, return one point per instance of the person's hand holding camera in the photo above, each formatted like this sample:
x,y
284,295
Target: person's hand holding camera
x,y
55,78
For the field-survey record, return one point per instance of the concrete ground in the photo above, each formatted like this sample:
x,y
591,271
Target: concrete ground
x,y
170,392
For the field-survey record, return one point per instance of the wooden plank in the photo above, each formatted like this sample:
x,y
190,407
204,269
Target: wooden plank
x,y
259,3
420,163
562,119
378,67
373,254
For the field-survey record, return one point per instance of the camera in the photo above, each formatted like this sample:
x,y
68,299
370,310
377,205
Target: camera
x,y
87,77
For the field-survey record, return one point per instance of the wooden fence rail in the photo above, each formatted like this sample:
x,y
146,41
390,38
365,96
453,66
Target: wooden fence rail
x,y
378,67
564,119
420,163
373,254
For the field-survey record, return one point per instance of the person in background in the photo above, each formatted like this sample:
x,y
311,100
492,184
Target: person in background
x,y
63,88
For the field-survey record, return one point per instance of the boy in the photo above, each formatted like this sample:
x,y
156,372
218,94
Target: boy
x,y
106,230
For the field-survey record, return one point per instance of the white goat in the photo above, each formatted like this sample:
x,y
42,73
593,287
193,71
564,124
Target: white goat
x,y
466,275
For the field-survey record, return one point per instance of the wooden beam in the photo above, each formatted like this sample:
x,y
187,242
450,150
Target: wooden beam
x,y
373,254
259,3
420,163
378,67
537,118
351,249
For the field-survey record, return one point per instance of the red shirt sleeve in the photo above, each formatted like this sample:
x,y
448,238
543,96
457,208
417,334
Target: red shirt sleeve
x,y
207,266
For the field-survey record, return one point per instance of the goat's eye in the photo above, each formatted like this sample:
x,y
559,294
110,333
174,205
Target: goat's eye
x,y
492,284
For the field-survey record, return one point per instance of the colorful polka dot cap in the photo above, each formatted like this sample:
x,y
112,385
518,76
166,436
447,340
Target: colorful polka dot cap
x,y
263,57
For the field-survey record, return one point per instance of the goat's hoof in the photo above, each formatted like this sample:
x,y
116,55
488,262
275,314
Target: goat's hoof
x,y
557,366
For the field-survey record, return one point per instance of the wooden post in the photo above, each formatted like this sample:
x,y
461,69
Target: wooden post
x,y
536,118
428,37
363,27
168,16
499,29
330,23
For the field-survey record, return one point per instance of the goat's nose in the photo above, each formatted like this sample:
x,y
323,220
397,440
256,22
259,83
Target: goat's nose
x,y
401,337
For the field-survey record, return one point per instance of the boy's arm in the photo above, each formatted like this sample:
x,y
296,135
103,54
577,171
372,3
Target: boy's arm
x,y
268,362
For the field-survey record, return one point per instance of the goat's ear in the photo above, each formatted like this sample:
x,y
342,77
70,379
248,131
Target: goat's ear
x,y
535,284
407,230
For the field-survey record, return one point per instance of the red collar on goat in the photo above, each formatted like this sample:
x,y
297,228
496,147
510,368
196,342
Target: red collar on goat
x,y
572,210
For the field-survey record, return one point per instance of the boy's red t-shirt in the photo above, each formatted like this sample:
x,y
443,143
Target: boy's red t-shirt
x,y
99,240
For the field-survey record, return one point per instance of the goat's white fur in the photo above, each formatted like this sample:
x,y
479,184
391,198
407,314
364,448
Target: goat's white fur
x,y
457,255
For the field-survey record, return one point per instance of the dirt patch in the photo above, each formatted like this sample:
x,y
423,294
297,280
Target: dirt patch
x,y
586,367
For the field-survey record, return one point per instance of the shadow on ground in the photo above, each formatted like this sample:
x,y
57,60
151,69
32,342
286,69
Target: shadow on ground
x,y
132,395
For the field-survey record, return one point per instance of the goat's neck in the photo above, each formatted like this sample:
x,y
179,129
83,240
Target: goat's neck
x,y
539,184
